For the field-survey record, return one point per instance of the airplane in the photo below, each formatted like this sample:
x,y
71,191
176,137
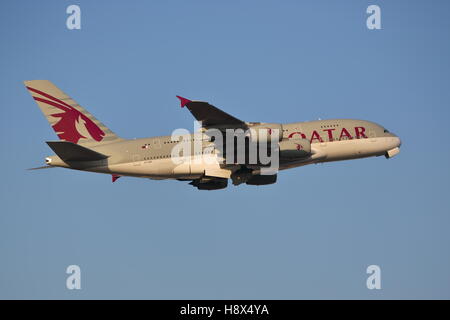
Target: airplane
x,y
88,145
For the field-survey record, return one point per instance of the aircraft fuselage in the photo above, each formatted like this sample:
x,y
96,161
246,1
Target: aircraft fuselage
x,y
331,140
223,148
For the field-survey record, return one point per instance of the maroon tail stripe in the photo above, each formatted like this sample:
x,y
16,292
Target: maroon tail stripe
x,y
49,97
52,103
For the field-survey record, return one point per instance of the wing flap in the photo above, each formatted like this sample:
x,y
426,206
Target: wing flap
x,y
218,173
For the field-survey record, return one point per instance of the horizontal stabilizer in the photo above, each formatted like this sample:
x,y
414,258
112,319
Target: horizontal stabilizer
x,y
69,151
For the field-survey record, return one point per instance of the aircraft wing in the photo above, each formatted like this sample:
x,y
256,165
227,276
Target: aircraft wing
x,y
209,115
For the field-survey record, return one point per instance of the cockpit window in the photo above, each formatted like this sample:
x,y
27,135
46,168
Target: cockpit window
x,y
386,130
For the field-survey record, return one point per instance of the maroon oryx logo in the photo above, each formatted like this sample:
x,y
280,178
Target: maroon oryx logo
x,y
66,127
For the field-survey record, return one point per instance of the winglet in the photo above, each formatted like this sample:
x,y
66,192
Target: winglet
x,y
183,101
115,177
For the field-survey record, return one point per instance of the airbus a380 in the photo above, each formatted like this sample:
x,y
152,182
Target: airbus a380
x,y
87,144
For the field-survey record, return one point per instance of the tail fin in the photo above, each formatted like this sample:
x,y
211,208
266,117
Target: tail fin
x,y
70,121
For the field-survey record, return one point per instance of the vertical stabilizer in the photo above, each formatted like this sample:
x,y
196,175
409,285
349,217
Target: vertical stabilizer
x,y
70,121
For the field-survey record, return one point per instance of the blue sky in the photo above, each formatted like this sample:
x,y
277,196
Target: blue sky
x,y
311,235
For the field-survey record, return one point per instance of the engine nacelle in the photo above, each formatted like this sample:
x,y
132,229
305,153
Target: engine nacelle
x,y
295,148
264,132
260,180
213,184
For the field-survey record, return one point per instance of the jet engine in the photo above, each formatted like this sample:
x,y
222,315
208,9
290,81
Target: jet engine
x,y
211,184
259,180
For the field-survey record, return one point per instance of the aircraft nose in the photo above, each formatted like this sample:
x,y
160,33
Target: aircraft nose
x,y
394,140
394,146
398,141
